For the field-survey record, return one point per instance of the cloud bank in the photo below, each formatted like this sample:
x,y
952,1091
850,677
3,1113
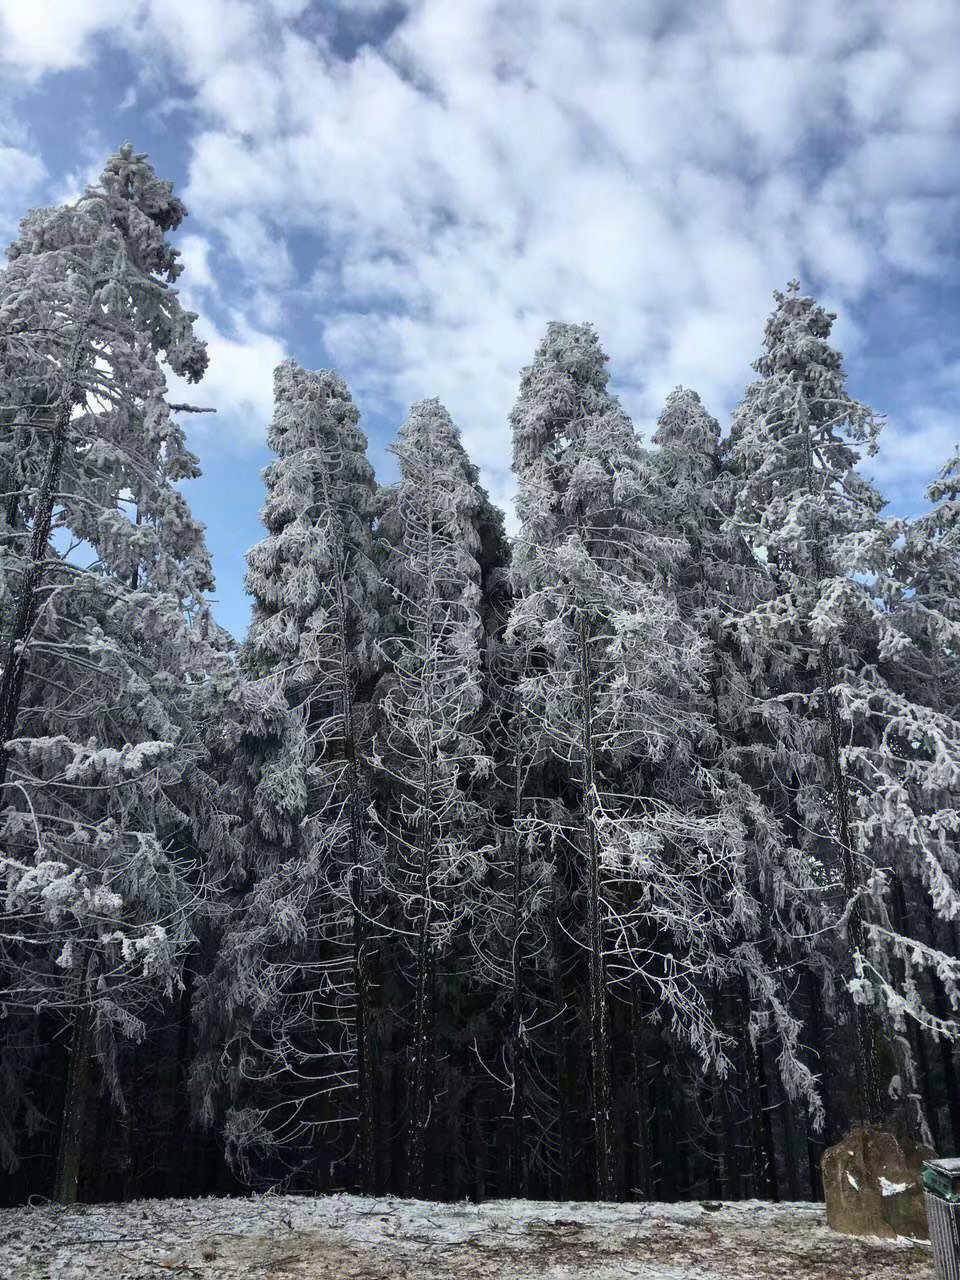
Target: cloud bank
x,y
409,192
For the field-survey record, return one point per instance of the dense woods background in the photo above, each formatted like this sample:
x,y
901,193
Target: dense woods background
x,y
617,859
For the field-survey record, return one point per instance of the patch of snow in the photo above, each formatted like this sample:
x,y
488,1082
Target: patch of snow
x,y
351,1237
852,1180
892,1188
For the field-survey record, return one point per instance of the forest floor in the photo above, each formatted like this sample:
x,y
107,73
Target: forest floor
x,y
340,1237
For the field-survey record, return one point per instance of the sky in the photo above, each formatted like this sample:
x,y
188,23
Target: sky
x,y
409,192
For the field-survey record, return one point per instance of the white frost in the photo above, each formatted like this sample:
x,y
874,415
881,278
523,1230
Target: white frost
x,y
363,1236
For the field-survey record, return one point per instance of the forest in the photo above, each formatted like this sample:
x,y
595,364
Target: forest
x,y
615,859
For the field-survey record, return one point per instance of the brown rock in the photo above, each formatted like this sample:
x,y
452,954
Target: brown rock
x,y
871,1184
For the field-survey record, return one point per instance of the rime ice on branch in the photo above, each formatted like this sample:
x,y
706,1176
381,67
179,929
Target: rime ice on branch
x,y
110,655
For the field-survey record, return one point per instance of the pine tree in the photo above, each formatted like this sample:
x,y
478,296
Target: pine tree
x,y
252,945
823,626
427,751
920,662
617,680
295,961
927,610
716,582
108,645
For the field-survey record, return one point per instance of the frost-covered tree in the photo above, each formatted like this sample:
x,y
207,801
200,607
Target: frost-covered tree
x,y
921,661
651,854
242,1008
512,927
716,581
821,630
108,648
427,751
297,953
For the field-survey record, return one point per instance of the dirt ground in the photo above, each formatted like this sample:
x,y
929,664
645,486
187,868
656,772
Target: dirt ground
x,y
354,1238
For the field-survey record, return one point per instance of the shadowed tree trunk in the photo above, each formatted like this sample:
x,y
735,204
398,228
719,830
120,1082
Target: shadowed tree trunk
x,y
599,1031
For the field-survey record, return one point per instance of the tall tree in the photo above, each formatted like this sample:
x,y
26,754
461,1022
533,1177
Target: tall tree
x,y
718,580
616,676
109,646
814,522
427,751
297,953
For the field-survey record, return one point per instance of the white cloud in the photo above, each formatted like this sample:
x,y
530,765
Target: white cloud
x,y
195,258
873,80
21,173
20,170
919,232
658,169
912,453
56,34
238,384
542,164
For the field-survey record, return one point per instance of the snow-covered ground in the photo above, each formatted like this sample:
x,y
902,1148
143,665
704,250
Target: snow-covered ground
x,y
354,1238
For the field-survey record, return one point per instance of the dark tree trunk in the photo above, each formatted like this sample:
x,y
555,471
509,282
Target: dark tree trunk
x,y
518,1170
640,1096
180,1174
358,862
74,1109
722,1110
560,1050
770,1180
599,1031
865,1048
817,1142
941,1009
915,1038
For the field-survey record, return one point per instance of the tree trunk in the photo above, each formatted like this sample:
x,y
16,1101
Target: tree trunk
x,y
941,1009
357,854
816,1143
915,1038
868,1091
74,1109
421,1012
765,1116
365,1150
560,1046
599,1033
640,1094
181,1172
518,1177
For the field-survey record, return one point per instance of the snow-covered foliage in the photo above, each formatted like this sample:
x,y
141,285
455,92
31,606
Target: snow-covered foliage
x,y
481,865
110,655
861,762
652,840
291,974
426,752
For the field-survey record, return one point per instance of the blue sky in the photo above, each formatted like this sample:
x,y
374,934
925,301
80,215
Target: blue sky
x,y
409,192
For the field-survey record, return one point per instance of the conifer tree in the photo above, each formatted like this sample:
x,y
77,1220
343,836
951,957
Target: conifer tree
x,y
717,580
253,942
427,751
921,661
617,680
928,609
298,951
813,520
108,648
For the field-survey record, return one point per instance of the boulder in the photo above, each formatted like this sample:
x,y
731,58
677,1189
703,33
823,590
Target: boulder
x,y
871,1184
